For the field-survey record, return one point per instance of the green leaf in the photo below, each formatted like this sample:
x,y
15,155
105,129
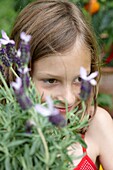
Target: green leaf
x,y
14,164
16,143
7,164
28,157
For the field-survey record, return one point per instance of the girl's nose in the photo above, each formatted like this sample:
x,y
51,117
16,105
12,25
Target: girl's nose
x,y
68,95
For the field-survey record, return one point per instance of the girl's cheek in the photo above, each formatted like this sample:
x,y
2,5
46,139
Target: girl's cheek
x,y
43,92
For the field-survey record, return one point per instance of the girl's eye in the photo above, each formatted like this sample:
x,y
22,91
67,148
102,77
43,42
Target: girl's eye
x,y
50,81
77,80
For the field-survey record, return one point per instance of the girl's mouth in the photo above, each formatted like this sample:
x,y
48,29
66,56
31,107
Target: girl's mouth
x,y
64,110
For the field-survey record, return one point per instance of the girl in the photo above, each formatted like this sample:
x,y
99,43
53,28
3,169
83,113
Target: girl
x,y
62,42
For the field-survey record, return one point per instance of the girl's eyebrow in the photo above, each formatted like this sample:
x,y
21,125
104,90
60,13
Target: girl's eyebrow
x,y
53,75
48,75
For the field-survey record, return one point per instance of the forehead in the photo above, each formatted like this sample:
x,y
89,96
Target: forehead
x,y
70,61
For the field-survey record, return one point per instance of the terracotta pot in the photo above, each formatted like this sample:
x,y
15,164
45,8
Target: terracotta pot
x,y
106,83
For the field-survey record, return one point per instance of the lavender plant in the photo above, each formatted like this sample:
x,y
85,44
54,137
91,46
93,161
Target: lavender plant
x,y
34,135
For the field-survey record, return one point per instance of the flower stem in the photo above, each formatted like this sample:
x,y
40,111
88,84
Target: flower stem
x,y
6,86
13,72
84,109
42,138
45,146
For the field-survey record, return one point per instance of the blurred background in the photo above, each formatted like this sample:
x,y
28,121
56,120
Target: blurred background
x,y
100,14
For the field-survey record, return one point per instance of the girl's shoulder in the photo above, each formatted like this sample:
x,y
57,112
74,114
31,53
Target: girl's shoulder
x,y
100,137
100,129
101,119
101,125
102,115
102,132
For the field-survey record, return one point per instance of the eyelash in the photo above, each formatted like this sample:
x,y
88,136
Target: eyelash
x,y
54,81
78,80
50,81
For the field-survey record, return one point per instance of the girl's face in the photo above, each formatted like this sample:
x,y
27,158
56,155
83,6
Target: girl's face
x,y
58,75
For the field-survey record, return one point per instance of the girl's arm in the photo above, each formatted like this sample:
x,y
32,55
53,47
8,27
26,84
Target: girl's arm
x,y
104,128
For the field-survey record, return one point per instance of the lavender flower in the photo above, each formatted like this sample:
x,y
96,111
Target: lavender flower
x,y
86,83
2,70
5,39
11,52
24,74
52,113
17,59
7,50
25,48
29,125
23,100
17,86
4,58
24,37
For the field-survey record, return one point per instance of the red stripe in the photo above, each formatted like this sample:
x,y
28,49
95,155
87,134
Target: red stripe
x,y
108,60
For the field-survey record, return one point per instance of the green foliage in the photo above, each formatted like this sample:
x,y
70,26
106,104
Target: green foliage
x,y
103,25
45,147
7,15
103,22
20,4
28,140
105,100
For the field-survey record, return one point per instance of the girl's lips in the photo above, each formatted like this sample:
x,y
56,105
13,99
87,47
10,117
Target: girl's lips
x,y
70,108
64,110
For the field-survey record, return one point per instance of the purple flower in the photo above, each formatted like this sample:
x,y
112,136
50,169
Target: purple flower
x,y
24,70
8,52
17,59
2,70
86,83
52,113
57,120
25,48
4,58
26,38
24,74
11,52
90,78
5,39
29,125
18,84
18,53
23,100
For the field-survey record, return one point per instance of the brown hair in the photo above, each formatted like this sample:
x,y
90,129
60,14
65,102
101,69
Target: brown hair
x,y
54,26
